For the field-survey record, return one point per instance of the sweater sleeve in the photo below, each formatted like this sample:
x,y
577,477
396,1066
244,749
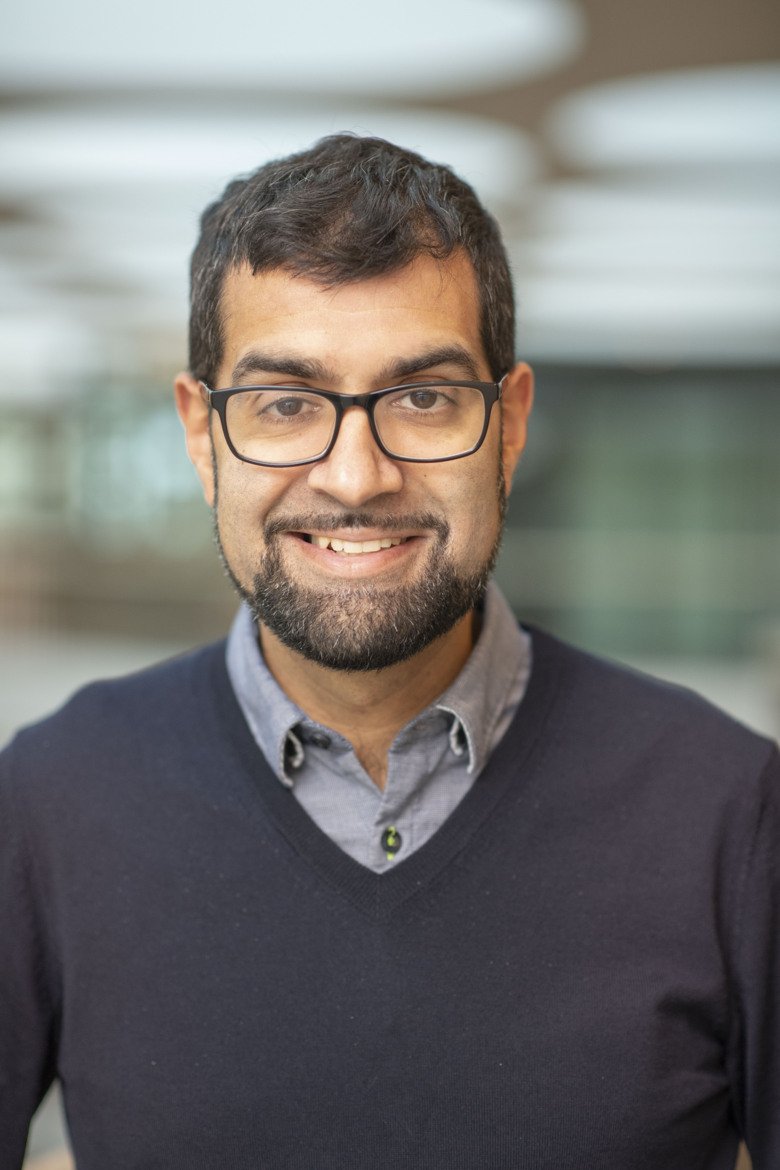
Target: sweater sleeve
x,y
27,1017
757,977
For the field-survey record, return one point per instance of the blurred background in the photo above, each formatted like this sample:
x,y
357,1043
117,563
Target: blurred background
x,y
631,153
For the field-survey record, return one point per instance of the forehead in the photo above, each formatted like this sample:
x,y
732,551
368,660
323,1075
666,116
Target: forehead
x,y
426,304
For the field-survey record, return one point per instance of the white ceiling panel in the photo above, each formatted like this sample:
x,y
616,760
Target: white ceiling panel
x,y
725,116
405,48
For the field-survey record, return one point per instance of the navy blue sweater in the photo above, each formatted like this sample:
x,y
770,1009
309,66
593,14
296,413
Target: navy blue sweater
x,y
579,971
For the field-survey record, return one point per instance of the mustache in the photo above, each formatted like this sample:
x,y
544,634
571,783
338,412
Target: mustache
x,y
327,521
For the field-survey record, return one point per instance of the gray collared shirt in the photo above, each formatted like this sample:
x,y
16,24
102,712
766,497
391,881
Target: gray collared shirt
x,y
433,761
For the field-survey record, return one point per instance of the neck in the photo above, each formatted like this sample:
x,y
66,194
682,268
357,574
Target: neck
x,y
369,708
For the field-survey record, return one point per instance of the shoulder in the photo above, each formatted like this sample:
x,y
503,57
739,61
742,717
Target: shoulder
x,y
613,710
116,717
630,767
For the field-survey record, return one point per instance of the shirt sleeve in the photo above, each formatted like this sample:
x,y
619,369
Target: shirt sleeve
x,y
757,979
27,1016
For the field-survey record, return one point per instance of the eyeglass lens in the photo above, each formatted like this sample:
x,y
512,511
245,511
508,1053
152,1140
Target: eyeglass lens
x,y
283,425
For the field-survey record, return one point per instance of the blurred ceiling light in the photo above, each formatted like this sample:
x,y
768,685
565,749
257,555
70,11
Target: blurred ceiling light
x,y
724,116
577,205
628,272
50,150
677,257
405,48
657,318
112,195
599,228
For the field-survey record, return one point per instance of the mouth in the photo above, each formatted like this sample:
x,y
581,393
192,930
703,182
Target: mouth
x,y
352,547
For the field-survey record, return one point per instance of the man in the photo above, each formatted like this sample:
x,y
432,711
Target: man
x,y
385,880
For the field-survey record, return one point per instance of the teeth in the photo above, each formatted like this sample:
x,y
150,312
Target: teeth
x,y
355,546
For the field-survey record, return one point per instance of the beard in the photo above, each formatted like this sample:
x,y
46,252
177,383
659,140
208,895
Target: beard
x,y
363,626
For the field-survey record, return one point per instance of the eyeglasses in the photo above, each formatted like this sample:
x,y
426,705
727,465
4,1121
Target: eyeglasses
x,y
419,422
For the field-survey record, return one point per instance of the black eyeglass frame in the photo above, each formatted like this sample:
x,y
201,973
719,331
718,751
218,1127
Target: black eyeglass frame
x,y
218,399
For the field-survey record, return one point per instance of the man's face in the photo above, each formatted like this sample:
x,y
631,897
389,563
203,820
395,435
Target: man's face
x,y
438,525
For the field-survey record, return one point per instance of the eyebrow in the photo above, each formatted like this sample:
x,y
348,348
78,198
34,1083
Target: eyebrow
x,y
258,361
444,355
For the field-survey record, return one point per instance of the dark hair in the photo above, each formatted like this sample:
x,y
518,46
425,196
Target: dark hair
x,y
346,209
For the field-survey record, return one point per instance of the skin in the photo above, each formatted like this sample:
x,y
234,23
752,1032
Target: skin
x,y
360,334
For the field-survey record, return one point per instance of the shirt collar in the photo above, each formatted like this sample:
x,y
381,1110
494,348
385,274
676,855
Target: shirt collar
x,y
477,697
270,713
474,702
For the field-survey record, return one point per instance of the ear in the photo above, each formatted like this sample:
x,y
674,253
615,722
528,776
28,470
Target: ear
x,y
516,402
193,411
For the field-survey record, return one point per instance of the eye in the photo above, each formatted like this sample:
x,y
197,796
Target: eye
x,y
423,399
287,407
280,405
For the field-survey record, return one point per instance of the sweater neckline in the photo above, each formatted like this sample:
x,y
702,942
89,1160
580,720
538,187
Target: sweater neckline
x,y
378,894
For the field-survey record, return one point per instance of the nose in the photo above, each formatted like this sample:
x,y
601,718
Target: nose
x,y
356,471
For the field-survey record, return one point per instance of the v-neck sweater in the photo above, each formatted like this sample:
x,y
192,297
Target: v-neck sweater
x,y
431,764
578,970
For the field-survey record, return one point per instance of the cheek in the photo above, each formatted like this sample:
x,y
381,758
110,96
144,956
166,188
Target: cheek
x,y
469,500
243,498
246,488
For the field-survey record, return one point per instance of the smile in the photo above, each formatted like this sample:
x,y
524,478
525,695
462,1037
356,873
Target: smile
x,y
354,547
